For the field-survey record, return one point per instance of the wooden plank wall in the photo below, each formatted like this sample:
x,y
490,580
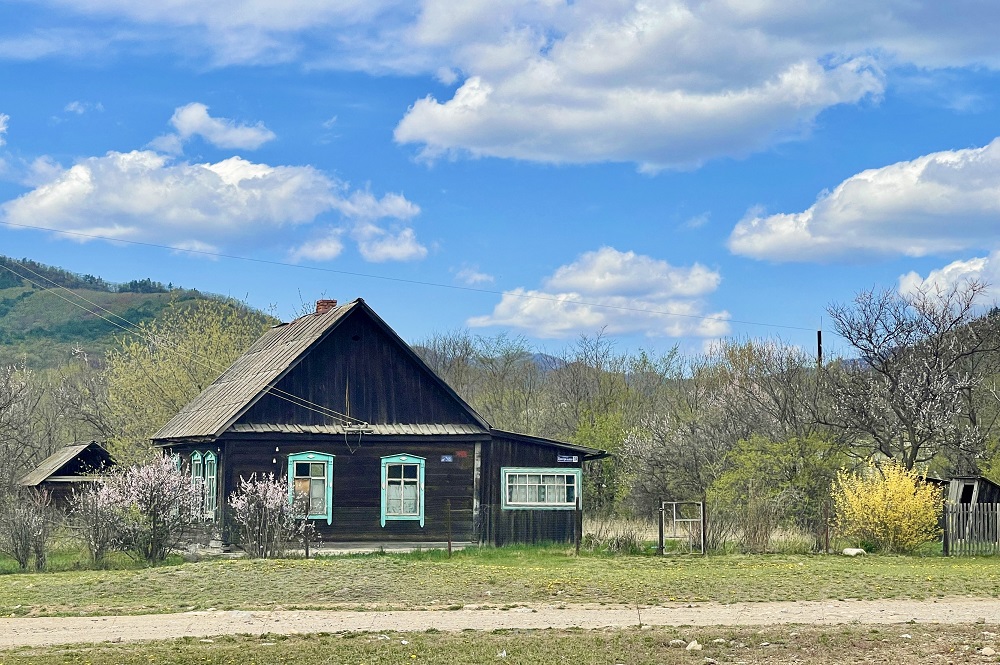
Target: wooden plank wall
x,y
360,370
356,488
971,529
502,527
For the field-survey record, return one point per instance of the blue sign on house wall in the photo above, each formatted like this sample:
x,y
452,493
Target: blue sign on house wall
x,y
568,458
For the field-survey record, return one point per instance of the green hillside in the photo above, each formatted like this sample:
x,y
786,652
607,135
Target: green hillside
x,y
47,313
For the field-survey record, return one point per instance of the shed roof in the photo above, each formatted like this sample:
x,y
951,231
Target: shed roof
x,y
56,461
390,429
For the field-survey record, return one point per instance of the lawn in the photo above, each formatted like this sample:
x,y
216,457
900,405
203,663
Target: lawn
x,y
777,644
490,577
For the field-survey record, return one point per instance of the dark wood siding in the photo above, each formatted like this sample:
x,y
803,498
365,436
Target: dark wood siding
x,y
501,527
357,483
360,370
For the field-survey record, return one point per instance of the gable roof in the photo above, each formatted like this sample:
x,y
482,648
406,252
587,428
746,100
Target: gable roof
x,y
57,460
264,364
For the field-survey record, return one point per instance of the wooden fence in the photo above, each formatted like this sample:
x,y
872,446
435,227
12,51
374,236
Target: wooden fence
x,y
971,529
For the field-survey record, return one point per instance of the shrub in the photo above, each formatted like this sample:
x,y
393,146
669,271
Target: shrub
x,y
266,519
143,509
25,526
887,509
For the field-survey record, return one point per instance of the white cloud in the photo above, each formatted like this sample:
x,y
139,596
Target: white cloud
x,y
664,83
193,120
4,119
472,276
942,202
325,248
79,108
984,269
150,197
621,292
378,245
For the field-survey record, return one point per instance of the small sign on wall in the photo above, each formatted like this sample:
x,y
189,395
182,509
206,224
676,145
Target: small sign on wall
x,y
570,459
447,458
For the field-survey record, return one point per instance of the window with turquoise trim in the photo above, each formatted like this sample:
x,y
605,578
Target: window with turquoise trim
x,y
204,476
310,481
540,489
402,488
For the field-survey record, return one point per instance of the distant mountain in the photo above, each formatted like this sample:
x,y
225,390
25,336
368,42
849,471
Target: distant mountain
x,y
47,313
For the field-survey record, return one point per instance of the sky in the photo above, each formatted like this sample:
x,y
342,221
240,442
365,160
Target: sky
x,y
669,173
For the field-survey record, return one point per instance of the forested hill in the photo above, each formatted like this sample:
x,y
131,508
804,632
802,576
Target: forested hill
x,y
45,315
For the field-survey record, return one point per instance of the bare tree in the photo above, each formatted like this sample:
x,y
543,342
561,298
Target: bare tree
x,y
909,392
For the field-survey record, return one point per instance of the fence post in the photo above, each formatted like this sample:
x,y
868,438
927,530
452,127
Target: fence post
x,y
578,524
660,545
448,519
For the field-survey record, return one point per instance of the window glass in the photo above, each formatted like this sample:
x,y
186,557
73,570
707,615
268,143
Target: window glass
x,y
540,488
402,488
310,483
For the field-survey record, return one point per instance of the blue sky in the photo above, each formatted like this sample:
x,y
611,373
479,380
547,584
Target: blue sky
x,y
671,172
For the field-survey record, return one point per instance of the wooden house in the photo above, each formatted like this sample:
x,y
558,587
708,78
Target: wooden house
x,y
381,449
66,468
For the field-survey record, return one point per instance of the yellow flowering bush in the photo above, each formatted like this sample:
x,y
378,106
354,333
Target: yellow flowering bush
x,y
888,509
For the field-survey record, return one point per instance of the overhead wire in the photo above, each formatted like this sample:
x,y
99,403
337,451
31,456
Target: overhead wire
x,y
416,282
136,329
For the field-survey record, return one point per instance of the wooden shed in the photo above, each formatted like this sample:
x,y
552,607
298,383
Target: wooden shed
x,y
378,446
972,490
66,468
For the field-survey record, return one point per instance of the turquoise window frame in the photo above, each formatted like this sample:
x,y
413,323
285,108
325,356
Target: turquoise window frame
x,y
403,458
313,456
545,471
210,467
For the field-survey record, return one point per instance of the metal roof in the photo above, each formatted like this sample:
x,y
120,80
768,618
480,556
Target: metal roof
x,y
587,452
378,429
54,462
247,380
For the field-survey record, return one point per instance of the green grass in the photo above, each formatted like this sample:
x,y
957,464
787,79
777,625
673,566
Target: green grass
x,y
490,577
777,644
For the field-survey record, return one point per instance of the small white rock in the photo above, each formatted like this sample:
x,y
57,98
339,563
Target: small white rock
x,y
988,651
854,551
678,643
718,640
906,636
694,646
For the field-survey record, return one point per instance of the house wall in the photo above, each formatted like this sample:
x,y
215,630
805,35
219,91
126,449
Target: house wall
x,y
357,483
501,527
360,370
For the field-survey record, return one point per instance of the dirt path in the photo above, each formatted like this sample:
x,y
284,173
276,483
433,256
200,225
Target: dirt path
x,y
68,630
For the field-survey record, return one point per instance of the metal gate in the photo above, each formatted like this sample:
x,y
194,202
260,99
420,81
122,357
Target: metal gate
x,y
682,522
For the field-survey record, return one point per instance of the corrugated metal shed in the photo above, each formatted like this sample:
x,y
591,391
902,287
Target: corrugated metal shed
x,y
57,460
270,357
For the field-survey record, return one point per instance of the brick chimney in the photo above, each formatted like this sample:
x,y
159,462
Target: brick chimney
x,y
324,306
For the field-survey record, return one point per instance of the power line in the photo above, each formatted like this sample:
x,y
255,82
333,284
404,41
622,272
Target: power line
x,y
198,359
403,280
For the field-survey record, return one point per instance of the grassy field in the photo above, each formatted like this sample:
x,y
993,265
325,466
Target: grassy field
x,y
784,644
492,578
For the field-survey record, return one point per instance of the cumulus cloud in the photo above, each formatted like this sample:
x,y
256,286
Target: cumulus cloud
x,y
620,292
324,248
983,269
942,202
193,120
664,84
379,245
472,276
151,197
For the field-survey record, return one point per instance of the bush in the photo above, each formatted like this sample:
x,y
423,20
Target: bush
x,y
143,509
26,526
887,509
266,519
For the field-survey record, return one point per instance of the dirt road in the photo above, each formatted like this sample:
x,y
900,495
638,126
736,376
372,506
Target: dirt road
x,y
68,630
